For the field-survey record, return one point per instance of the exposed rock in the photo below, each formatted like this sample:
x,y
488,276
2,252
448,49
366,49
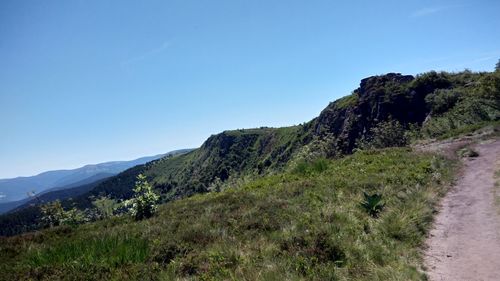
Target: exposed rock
x,y
377,99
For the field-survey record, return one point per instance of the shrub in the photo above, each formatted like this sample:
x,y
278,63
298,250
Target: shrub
x,y
216,185
53,214
105,207
428,82
442,100
373,204
467,113
467,152
309,167
74,217
145,199
389,133
489,86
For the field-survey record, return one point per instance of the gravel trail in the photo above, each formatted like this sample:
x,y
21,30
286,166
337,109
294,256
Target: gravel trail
x,y
465,241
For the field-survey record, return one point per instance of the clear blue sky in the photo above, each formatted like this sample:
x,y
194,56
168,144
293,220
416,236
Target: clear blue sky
x,y
90,81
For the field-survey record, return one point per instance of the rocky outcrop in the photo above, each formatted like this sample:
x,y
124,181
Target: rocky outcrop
x,y
377,99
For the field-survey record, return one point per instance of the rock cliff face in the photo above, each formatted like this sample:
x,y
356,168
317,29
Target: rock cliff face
x,y
378,98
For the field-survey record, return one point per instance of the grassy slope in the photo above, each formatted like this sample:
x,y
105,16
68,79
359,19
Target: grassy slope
x,y
302,225
475,104
230,154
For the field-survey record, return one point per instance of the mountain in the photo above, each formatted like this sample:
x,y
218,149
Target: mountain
x,y
25,215
15,190
432,103
85,181
70,189
107,167
383,108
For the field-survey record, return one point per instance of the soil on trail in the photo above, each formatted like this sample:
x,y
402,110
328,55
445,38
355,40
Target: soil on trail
x,y
465,241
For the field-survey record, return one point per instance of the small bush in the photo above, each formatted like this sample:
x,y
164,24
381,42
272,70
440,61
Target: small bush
x,y
74,217
442,100
373,204
105,207
489,86
53,214
467,152
389,133
469,113
308,167
145,199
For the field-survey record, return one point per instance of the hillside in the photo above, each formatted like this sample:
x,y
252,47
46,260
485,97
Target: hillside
x,y
16,189
306,224
429,105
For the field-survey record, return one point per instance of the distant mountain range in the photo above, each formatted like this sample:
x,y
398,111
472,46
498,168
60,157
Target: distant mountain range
x,y
54,193
14,192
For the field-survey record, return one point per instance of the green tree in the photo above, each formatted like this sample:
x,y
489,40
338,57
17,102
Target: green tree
x,y
497,66
73,217
52,214
145,199
105,207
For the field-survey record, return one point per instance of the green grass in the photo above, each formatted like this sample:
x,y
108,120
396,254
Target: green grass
x,y
106,251
470,129
466,117
307,224
347,101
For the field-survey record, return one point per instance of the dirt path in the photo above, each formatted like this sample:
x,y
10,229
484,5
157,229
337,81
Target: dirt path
x,y
465,241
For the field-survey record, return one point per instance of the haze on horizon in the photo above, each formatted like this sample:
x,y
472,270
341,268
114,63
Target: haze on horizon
x,y
85,82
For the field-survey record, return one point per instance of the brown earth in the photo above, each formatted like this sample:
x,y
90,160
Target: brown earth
x,y
465,241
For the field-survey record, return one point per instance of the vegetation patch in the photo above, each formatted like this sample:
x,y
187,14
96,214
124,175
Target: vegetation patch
x,y
307,224
347,101
467,152
111,251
